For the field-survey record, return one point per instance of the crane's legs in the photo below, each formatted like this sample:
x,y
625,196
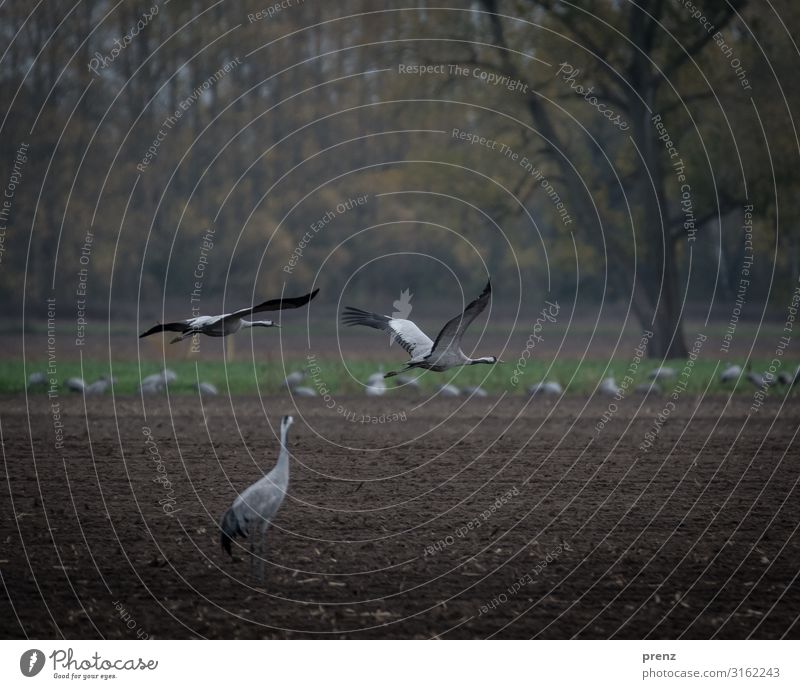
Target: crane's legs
x,y
184,336
263,553
391,374
253,547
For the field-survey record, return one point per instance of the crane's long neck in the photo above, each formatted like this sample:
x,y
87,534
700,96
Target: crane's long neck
x,y
283,456
483,360
258,324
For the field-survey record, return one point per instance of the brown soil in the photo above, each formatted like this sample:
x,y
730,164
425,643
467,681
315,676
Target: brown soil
x,y
697,538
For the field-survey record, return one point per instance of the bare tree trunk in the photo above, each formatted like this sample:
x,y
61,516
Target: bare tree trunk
x,y
660,266
659,277
655,299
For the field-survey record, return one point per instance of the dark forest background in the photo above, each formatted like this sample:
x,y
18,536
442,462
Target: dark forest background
x,y
314,110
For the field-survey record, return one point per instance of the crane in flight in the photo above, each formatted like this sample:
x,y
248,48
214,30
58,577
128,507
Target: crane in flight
x,y
440,354
228,323
253,511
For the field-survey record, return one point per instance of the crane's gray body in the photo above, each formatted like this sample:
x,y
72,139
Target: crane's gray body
x,y
730,374
546,387
219,326
99,387
75,385
662,373
608,386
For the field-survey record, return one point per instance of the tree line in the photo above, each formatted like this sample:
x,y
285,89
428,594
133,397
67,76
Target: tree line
x,y
473,130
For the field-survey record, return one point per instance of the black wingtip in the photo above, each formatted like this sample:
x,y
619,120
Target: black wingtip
x,y
152,331
300,301
353,316
350,315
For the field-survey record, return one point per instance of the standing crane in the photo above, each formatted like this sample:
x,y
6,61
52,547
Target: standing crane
x,y
253,511
757,379
228,323
207,388
449,390
75,384
303,391
37,379
294,378
475,391
156,382
662,373
99,387
409,382
546,387
608,386
730,373
440,354
376,386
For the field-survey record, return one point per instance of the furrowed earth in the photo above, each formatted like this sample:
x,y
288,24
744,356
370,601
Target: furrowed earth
x,y
498,517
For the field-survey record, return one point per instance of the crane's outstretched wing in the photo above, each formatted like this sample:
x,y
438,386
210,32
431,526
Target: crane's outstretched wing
x,y
179,327
273,305
454,328
405,332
